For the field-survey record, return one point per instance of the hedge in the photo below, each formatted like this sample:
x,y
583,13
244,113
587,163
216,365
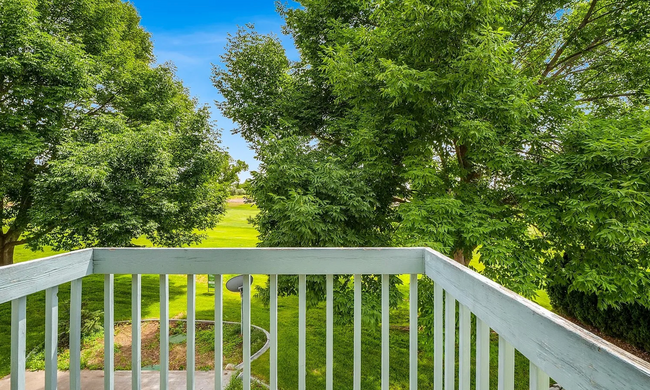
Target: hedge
x,y
630,322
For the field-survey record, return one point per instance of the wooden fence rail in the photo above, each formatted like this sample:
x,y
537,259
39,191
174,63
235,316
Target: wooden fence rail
x,y
556,348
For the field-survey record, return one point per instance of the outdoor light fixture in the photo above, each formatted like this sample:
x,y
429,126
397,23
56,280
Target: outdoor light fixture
x,y
236,284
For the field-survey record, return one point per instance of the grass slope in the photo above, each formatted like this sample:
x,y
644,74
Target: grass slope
x,y
234,231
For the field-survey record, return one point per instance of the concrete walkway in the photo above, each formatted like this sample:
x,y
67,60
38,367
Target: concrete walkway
x,y
204,380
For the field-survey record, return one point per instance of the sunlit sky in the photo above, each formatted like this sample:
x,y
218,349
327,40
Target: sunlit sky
x,y
192,34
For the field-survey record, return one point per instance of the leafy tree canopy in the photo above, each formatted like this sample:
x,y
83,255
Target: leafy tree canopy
x,y
513,130
98,145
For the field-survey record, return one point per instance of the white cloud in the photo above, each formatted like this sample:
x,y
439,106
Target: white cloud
x,y
178,58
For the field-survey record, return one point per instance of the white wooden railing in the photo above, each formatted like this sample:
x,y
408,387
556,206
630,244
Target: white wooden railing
x,y
555,347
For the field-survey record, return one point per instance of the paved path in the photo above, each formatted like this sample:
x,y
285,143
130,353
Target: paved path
x,y
204,380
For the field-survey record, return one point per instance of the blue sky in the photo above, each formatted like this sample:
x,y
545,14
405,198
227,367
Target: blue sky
x,y
192,34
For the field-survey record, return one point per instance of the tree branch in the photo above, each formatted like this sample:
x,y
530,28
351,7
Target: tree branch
x,y
589,48
101,107
606,14
327,140
554,61
617,95
15,243
528,20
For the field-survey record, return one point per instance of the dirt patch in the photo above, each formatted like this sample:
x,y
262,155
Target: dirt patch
x,y
93,350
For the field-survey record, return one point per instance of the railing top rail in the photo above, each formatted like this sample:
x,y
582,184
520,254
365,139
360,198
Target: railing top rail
x,y
314,261
574,357
19,280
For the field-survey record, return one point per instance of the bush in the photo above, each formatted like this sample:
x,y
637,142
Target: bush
x,y
630,322
237,191
91,323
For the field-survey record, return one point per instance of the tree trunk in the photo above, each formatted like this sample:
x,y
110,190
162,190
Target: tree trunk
x,y
459,257
7,257
7,254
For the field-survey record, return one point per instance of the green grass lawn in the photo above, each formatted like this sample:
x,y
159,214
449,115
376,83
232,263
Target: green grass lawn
x,y
234,231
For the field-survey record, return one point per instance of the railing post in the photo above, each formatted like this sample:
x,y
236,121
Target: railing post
x,y
51,337
273,308
75,334
218,332
482,355
506,365
450,341
438,315
191,330
302,324
464,335
18,333
413,332
357,332
538,378
164,331
385,331
329,342
136,331
246,330
109,332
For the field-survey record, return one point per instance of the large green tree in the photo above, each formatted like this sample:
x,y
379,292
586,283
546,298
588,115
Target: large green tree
x,y
98,145
492,127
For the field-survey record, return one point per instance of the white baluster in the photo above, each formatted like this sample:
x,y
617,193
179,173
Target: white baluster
x,y
75,335
385,331
51,336
164,332
109,331
191,330
136,331
413,332
18,333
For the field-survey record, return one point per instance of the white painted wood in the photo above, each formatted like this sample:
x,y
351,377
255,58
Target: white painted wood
x,y
357,332
464,336
329,333
506,365
385,331
191,330
273,308
75,334
218,331
438,315
302,327
136,331
482,355
450,341
18,342
164,332
290,261
413,332
574,357
569,354
538,378
246,330
109,332
51,336
22,279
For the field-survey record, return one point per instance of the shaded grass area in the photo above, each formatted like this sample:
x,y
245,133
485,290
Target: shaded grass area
x,y
233,231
